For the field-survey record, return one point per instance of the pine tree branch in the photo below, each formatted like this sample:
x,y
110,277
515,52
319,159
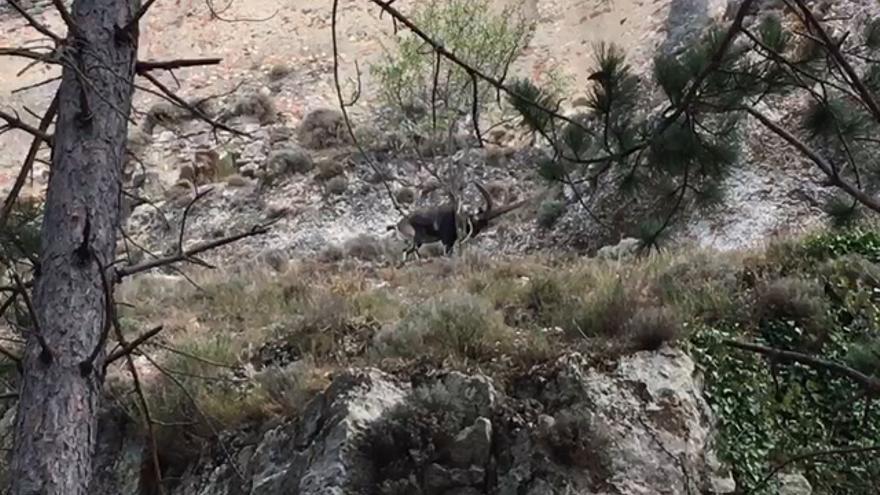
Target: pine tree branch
x,y
15,122
192,109
34,23
827,167
869,383
28,164
72,27
186,255
143,66
131,346
833,48
713,65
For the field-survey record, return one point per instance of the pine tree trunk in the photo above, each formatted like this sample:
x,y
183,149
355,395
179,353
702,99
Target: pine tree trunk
x,y
56,426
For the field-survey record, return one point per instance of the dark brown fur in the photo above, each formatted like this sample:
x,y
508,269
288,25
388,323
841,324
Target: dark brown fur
x,y
442,223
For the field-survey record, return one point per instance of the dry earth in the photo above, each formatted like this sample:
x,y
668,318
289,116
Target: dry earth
x,y
296,33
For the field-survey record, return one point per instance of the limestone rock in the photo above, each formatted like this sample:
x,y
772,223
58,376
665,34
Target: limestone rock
x,y
793,484
473,445
623,249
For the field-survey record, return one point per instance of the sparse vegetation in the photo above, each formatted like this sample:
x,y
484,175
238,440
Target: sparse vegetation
x,y
328,169
257,104
576,439
549,212
471,30
337,185
325,314
364,247
291,159
323,128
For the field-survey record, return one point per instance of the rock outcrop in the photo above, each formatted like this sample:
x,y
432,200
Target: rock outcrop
x,y
638,427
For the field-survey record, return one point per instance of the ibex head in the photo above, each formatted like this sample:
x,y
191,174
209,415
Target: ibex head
x,y
488,212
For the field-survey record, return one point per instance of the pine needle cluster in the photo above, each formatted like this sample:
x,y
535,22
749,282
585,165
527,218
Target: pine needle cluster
x,y
661,145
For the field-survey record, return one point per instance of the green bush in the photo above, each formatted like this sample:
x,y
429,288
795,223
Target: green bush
x,y
467,28
460,325
823,304
650,328
549,212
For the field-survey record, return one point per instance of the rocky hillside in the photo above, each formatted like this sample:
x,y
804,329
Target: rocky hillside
x,y
305,360
277,71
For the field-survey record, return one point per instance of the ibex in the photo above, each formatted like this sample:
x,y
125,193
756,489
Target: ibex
x,y
444,223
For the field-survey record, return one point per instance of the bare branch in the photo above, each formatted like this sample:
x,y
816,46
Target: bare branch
x,y
14,122
192,109
195,404
42,28
131,346
186,255
67,18
344,109
869,383
823,164
148,65
138,16
25,53
145,408
834,49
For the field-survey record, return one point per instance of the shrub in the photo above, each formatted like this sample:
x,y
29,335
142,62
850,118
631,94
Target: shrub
x,y
405,195
256,104
549,212
329,169
469,29
165,114
791,298
576,439
545,297
291,159
279,71
323,128
606,310
364,247
458,325
650,328
337,185
236,180
290,387
702,285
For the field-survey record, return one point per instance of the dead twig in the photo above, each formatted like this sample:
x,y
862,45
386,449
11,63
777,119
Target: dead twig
x,y
132,346
14,122
192,109
28,164
344,109
184,256
192,400
869,383
144,66
34,23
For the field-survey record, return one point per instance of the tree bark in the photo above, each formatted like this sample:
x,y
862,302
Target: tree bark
x,y
56,425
